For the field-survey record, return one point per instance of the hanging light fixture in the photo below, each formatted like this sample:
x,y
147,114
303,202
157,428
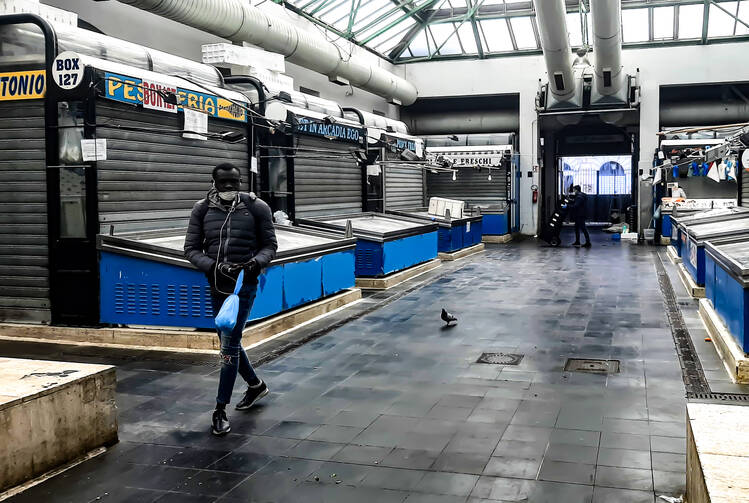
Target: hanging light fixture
x,y
490,175
454,176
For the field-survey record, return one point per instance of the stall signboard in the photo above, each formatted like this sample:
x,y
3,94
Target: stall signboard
x,y
400,143
137,91
27,85
314,127
474,159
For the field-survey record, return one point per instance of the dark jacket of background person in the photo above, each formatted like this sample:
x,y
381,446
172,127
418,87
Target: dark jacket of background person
x,y
247,234
579,207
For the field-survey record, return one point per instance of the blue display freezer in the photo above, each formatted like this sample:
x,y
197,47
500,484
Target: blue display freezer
x,y
694,237
727,285
453,234
385,243
145,279
682,219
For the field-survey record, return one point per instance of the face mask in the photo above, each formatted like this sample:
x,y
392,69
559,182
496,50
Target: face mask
x,y
229,195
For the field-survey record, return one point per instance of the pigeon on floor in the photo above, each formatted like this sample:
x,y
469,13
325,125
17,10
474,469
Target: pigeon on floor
x,y
447,317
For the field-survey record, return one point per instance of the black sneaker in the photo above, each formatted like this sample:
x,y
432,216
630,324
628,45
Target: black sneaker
x,y
575,244
587,245
220,424
252,395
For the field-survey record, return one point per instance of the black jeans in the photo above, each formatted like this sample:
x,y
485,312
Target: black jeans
x,y
233,357
580,226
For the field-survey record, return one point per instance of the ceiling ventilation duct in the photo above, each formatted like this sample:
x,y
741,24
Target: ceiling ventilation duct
x,y
609,80
564,89
239,21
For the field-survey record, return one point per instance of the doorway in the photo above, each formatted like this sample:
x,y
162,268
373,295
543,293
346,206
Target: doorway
x,y
606,179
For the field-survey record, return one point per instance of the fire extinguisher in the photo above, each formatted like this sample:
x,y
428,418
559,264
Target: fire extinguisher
x,y
534,188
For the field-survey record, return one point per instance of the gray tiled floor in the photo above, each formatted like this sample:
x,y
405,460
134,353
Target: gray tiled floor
x,y
393,407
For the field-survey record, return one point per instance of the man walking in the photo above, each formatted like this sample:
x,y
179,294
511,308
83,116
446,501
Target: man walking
x,y
578,215
230,231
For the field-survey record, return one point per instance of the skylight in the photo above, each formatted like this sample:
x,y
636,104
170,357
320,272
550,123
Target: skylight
x,y
403,30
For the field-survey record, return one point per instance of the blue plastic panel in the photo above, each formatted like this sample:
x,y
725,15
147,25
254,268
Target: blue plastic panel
x,y
694,260
732,305
302,282
666,227
368,258
710,266
136,291
444,240
475,233
269,298
495,225
456,237
400,254
338,272
141,292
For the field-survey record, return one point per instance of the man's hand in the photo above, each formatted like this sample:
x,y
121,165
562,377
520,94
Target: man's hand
x,y
229,268
251,267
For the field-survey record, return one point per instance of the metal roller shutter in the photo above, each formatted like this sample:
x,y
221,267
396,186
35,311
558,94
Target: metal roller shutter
x,y
328,185
24,267
404,186
472,185
151,180
744,181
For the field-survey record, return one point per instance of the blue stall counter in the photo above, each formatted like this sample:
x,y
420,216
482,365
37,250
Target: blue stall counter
x,y
144,279
385,243
694,237
727,285
683,219
453,234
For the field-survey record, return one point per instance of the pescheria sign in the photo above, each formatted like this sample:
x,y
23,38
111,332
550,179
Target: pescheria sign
x,y
22,85
136,91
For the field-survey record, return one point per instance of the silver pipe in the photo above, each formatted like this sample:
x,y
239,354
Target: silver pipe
x,y
463,122
704,113
555,42
239,21
607,45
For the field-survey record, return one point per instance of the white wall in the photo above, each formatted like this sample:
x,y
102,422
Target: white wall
x,y
134,25
695,64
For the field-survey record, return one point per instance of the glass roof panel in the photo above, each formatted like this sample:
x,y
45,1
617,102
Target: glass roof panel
x,y
690,21
496,36
523,31
744,16
721,24
419,47
574,29
446,38
635,25
468,38
385,42
663,23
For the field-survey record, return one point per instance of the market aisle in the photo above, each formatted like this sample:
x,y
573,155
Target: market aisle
x,y
393,407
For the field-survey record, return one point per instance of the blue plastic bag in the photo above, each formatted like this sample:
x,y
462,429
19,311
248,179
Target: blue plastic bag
x,y
227,315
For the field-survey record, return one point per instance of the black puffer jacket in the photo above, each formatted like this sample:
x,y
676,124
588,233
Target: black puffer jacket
x,y
243,233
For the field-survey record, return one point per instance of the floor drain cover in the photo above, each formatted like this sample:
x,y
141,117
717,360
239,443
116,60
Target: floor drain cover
x,y
500,358
594,366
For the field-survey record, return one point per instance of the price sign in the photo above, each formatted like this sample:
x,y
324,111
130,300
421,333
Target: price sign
x,y
67,70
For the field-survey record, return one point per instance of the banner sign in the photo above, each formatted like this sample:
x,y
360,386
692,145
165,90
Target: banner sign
x,y
400,143
477,159
22,85
341,132
136,91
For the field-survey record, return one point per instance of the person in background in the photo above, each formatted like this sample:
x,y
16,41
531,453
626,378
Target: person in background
x,y
678,193
578,216
230,231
